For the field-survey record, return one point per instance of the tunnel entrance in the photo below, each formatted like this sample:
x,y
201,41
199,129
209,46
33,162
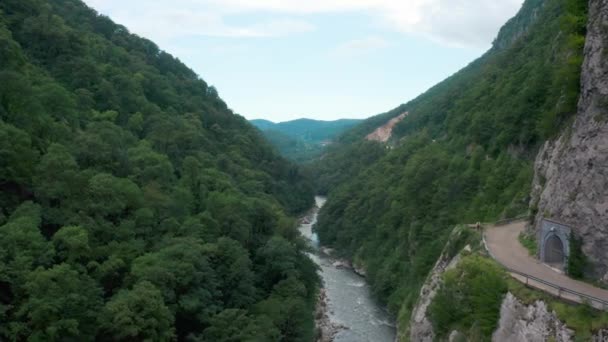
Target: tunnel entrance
x,y
554,252
554,248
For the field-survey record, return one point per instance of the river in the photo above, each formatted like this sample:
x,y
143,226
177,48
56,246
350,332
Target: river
x,y
350,303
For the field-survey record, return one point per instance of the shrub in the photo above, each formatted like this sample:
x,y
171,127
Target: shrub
x,y
470,298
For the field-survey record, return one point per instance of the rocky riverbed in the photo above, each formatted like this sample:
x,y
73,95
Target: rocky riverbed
x,y
346,311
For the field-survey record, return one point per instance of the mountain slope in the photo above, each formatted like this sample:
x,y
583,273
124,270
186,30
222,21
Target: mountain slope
x,y
462,155
570,182
304,139
134,205
263,124
308,129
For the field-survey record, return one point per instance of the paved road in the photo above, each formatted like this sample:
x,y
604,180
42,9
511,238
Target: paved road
x,y
503,244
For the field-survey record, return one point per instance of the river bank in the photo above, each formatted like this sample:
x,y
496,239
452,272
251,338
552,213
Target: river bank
x,y
346,311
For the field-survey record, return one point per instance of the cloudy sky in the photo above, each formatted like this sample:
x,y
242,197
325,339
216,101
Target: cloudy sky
x,y
323,59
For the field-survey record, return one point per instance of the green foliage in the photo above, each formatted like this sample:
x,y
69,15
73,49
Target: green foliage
x,y
17,156
469,298
23,246
303,140
582,318
460,237
233,325
72,244
134,205
577,260
137,314
464,153
289,312
313,131
529,242
60,304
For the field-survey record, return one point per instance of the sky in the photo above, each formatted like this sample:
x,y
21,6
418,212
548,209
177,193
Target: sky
x,y
323,59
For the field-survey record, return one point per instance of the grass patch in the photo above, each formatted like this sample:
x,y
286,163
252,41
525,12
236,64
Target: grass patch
x,y
529,241
469,299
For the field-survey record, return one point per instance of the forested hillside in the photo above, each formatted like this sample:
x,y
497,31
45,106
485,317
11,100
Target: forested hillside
x,y
464,154
303,140
134,205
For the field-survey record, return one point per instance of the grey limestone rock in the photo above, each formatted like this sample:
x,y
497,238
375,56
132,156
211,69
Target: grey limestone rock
x,y
529,323
571,172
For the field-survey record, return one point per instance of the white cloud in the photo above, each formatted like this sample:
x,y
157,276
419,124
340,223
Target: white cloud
x,y
452,22
161,21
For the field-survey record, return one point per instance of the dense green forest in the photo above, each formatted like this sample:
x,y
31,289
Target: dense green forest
x,y
134,205
464,154
303,140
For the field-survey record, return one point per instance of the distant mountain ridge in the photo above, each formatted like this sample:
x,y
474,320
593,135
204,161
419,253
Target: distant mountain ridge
x,y
308,129
303,139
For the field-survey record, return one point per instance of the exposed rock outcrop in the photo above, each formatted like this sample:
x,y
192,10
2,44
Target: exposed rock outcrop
x,y
571,172
600,336
421,328
534,323
529,323
518,26
326,330
384,132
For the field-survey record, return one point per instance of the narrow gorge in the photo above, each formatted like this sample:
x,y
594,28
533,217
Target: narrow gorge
x,y
347,311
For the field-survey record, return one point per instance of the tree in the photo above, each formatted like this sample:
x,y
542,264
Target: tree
x,y
288,310
55,174
110,196
275,261
72,244
148,165
17,155
470,297
10,53
136,123
233,325
58,184
233,268
59,103
103,146
61,304
139,314
188,284
577,260
23,247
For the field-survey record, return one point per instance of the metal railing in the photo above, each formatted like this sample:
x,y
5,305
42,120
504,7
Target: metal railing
x,y
562,292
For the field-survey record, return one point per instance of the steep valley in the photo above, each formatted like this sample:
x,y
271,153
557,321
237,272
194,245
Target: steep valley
x,y
466,153
135,205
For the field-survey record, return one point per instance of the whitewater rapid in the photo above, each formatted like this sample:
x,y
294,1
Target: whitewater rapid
x,y
350,303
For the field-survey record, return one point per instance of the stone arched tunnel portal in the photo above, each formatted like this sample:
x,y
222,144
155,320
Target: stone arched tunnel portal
x,y
554,243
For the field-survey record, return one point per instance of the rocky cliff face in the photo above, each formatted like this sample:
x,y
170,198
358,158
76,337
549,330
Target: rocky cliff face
x,y
571,172
518,25
421,328
533,323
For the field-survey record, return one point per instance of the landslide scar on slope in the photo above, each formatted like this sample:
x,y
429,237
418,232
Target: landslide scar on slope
x,y
384,132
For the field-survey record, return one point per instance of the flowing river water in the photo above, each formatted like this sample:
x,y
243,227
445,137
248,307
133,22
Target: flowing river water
x,y
350,303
